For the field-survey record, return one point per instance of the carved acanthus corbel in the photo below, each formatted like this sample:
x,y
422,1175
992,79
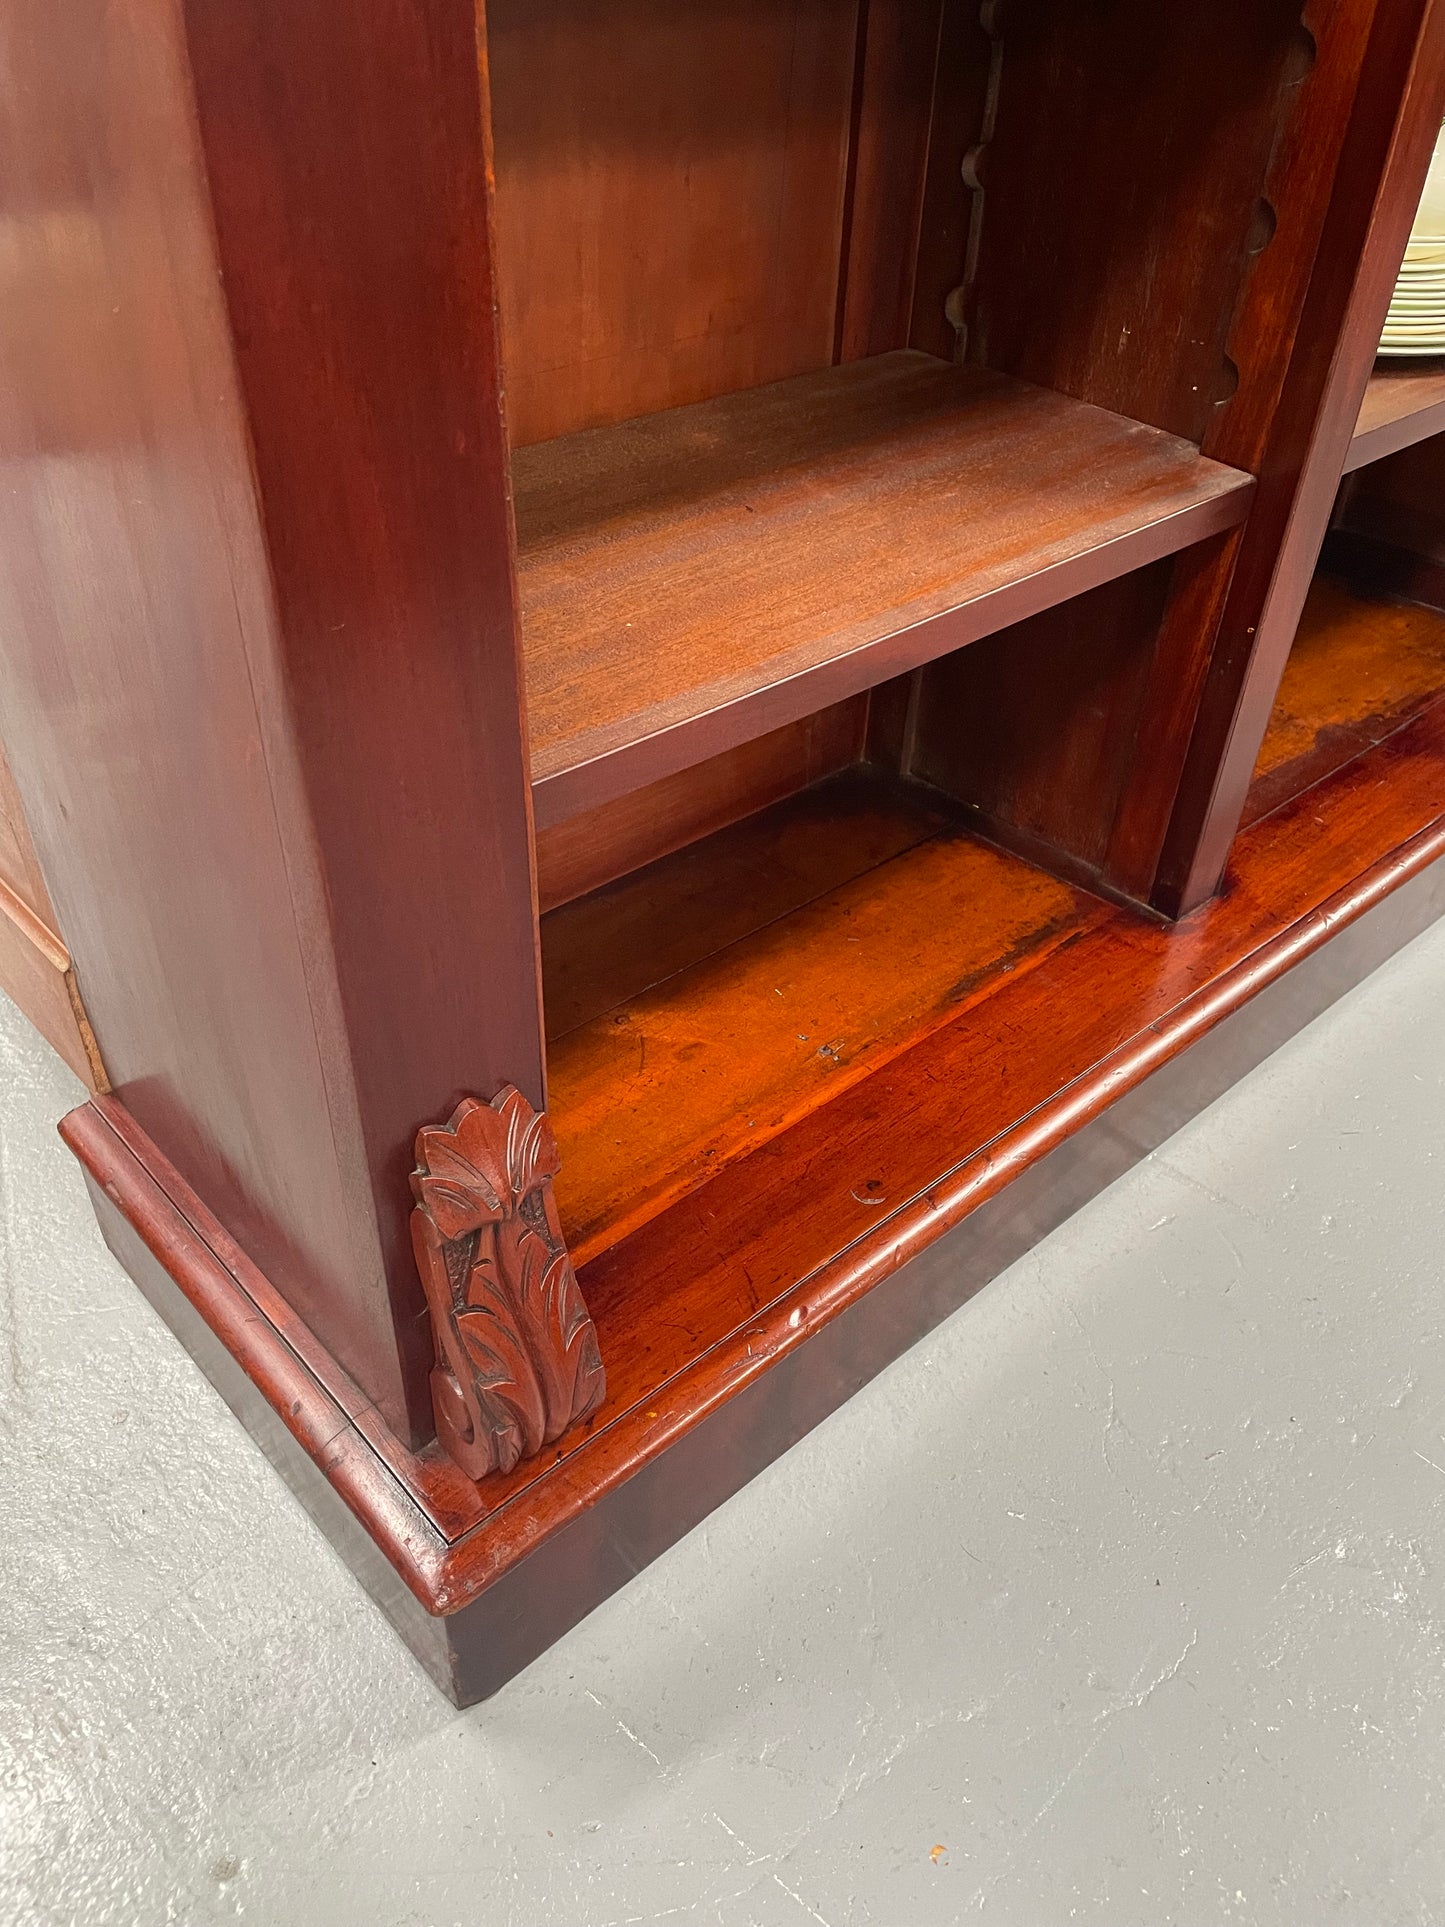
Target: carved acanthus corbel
x,y
517,1358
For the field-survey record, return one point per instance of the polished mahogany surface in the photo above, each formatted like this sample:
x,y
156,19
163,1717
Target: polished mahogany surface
x,y
1404,403
691,1308
259,677
670,184
139,682
588,850
1194,275
699,1008
1388,63
346,146
1361,668
355,518
695,578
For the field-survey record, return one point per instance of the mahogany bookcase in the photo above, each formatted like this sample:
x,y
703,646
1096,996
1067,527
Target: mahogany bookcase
x,y
635,642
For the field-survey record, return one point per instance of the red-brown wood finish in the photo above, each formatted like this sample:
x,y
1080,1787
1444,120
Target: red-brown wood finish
x,y
517,1356
712,1295
1404,403
600,845
895,79
146,737
1361,668
1218,227
35,967
670,186
1392,133
697,578
260,677
337,444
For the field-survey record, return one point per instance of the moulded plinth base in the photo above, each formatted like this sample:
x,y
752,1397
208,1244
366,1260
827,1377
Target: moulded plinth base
x,y
480,1580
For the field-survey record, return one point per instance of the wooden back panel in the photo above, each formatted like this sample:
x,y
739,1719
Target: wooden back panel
x,y
670,191
1120,181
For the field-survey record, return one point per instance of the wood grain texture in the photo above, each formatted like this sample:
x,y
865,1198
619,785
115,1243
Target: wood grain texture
x,y
143,720
260,678
1360,669
36,974
718,1294
1257,246
347,151
534,1601
1037,728
517,1361
670,185
724,994
1386,64
1403,404
1120,182
697,578
19,865
595,848
599,953
892,136
254,413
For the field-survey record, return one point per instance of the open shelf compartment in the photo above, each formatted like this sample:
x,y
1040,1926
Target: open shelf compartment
x,y
690,580
1404,404
701,1006
1362,666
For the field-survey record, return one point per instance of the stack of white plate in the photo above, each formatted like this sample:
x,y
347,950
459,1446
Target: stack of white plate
x,y
1416,322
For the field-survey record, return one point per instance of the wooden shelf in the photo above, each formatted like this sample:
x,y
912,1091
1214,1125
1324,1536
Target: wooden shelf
x,y
716,997
1402,405
1361,668
691,579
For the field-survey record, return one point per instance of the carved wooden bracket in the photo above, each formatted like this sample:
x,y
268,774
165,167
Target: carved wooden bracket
x,y
517,1359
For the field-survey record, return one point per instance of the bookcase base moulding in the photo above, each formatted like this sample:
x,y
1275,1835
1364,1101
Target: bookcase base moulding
x,y
1158,1022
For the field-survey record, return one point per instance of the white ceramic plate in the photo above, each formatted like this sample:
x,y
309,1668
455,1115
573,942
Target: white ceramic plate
x,y
1430,221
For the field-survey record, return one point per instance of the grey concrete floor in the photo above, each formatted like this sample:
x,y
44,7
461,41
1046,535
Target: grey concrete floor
x,y
1117,1601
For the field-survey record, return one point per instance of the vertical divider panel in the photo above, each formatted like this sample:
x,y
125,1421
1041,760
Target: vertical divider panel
x,y
1375,190
1155,259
